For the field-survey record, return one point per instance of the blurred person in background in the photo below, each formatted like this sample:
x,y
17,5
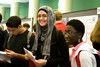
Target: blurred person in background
x,y
59,24
26,26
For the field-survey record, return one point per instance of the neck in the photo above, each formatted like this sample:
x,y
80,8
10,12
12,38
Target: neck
x,y
70,46
22,30
75,44
45,28
59,21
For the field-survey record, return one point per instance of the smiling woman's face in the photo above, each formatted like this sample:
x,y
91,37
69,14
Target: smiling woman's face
x,y
42,18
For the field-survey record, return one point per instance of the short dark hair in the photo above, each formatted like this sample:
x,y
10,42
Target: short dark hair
x,y
13,21
78,25
0,17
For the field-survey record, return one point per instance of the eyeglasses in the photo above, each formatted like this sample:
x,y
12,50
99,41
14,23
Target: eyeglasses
x,y
69,33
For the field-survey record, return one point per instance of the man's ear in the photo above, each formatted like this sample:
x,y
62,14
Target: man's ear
x,y
19,26
80,35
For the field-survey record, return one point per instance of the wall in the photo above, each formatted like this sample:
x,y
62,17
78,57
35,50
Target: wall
x,y
51,3
7,13
23,10
78,5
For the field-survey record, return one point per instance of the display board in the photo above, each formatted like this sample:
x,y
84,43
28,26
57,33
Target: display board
x,y
80,13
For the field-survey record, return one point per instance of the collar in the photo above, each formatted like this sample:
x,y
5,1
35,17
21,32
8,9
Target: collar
x,y
76,47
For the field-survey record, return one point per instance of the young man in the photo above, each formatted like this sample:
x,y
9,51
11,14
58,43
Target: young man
x,y
14,44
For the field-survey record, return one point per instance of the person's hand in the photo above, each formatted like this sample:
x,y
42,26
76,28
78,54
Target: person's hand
x,y
27,57
3,61
40,62
10,53
99,52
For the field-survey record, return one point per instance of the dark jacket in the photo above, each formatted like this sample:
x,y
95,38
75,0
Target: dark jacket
x,y
2,39
59,54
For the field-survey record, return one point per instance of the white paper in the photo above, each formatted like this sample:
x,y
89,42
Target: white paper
x,y
29,54
4,57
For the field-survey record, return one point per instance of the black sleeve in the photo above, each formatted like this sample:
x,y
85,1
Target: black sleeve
x,y
64,50
2,39
5,42
63,59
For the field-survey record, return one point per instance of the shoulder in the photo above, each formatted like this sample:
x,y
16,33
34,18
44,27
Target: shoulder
x,y
85,46
86,55
87,59
58,36
30,35
57,32
1,33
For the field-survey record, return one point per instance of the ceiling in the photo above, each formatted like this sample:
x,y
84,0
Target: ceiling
x,y
6,3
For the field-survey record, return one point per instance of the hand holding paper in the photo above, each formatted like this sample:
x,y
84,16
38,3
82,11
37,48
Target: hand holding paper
x,y
29,54
31,63
4,57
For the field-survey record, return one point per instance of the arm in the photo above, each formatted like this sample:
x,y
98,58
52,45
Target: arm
x,y
12,54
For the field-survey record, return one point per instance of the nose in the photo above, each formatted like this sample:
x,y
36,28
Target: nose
x,y
65,35
41,17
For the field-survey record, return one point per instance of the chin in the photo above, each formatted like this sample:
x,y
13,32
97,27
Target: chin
x,y
69,43
14,34
43,25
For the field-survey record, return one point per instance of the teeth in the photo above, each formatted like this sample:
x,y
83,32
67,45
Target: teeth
x,y
67,41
